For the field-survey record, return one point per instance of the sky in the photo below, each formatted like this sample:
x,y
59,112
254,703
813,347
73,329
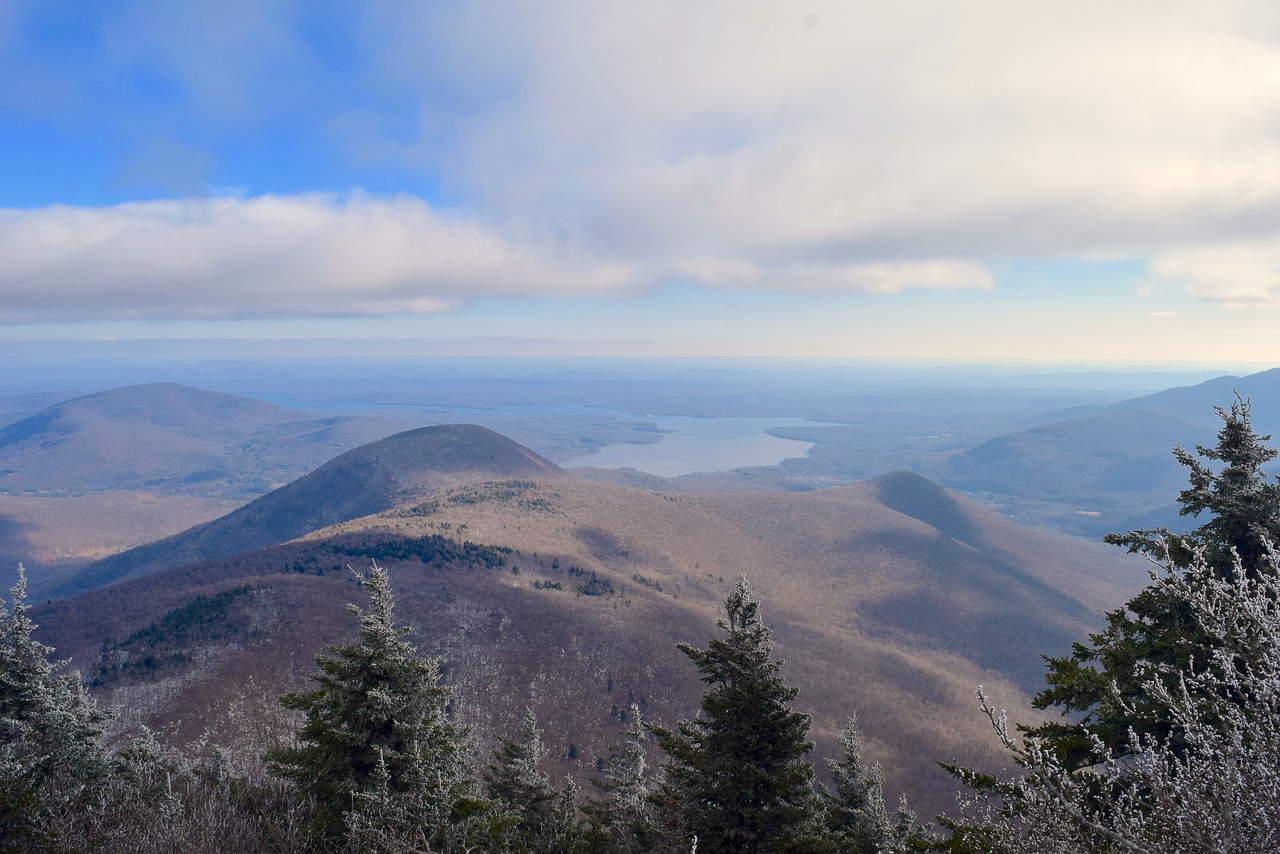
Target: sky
x,y
1015,180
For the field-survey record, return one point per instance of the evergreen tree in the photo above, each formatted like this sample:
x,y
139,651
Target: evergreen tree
x,y
624,819
737,772
51,753
376,739
907,833
515,776
1180,692
1216,789
855,810
544,821
562,833
1240,507
1240,503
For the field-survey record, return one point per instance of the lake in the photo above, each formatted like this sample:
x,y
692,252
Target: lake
x,y
703,445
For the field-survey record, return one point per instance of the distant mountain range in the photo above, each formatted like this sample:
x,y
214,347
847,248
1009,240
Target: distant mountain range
x,y
891,598
171,439
186,454
1107,468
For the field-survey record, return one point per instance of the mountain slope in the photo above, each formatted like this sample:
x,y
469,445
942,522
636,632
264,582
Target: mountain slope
x,y
891,597
173,439
369,479
1196,401
1111,469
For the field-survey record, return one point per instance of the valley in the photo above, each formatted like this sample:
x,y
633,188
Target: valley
x,y
567,590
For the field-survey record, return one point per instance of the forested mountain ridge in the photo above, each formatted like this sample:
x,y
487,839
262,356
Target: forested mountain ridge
x,y
892,593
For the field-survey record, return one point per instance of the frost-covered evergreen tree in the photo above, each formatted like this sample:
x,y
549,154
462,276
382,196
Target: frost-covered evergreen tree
x,y
1237,503
1216,790
544,820
51,753
376,738
515,777
737,772
1097,686
856,812
624,773
624,817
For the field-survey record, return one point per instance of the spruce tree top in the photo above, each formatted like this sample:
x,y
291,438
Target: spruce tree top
x,y
51,731
1239,502
737,771
376,720
1103,682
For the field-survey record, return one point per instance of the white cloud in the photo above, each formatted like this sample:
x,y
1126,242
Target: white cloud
x,y
1240,275
810,146
874,278
274,256
854,133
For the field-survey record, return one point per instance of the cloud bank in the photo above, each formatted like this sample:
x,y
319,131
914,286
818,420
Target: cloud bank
x,y
606,149
317,255
273,256
881,136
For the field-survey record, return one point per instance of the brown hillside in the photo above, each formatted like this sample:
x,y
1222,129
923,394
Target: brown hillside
x,y
891,598
368,479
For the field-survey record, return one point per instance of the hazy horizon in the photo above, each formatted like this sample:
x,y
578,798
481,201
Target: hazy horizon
x,y
217,363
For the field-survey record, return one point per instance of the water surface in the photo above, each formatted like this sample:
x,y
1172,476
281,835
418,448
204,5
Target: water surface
x,y
703,445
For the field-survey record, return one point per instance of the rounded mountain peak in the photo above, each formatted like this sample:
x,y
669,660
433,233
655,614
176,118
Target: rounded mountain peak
x,y
366,480
453,448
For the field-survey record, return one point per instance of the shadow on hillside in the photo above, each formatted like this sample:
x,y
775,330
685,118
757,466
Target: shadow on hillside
x,y
983,609
977,599
15,548
919,498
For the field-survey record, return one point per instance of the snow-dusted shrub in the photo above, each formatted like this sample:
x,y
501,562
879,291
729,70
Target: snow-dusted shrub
x,y
1214,786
